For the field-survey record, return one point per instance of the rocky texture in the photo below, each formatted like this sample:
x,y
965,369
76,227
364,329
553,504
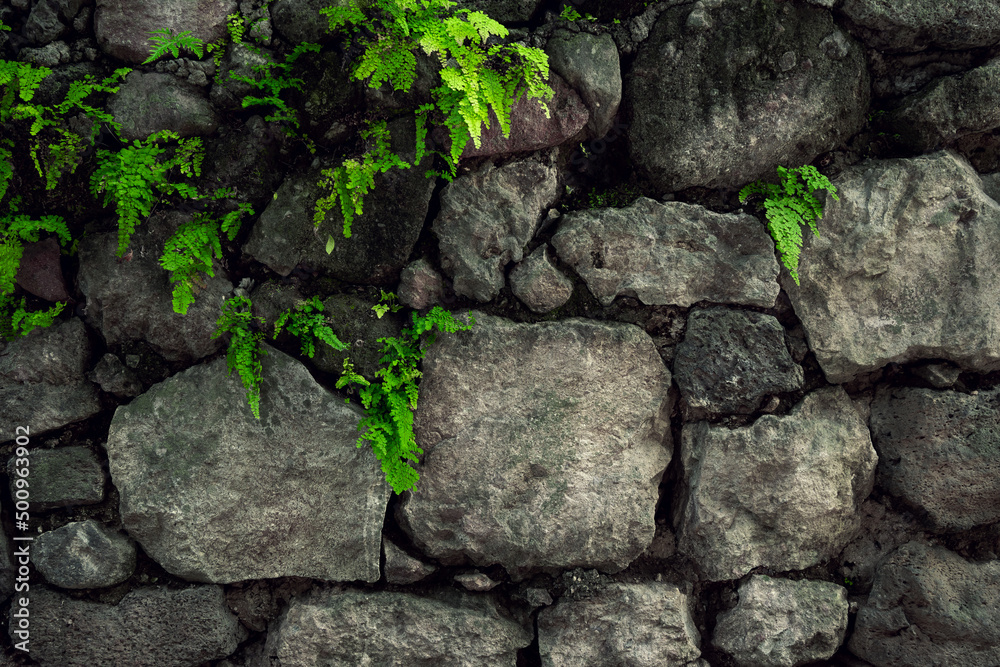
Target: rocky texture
x,y
782,493
905,269
122,27
782,623
939,453
672,253
334,625
133,298
401,568
723,91
923,24
544,445
486,219
148,103
420,286
115,377
62,477
590,64
39,271
42,383
644,625
84,554
214,495
929,606
730,360
538,283
150,627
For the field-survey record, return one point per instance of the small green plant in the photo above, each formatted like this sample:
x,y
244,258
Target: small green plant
x,y
164,40
789,206
244,350
272,85
569,14
389,403
619,197
306,320
16,321
385,304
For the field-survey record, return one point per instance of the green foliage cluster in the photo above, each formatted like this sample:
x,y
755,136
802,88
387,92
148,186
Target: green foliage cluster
x,y
307,322
244,352
789,206
619,197
164,40
271,85
389,404
476,78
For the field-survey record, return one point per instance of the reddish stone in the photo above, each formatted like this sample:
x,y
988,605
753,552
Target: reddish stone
x,y
40,272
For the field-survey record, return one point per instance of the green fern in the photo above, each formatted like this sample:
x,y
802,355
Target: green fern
x,y
389,404
244,350
273,85
789,206
164,40
307,322
16,321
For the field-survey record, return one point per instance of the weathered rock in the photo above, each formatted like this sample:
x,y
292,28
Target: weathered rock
x,y
148,103
590,64
486,219
544,445
476,581
538,283
929,607
644,625
150,627
348,628
115,377
782,493
905,268
724,91
43,24
672,253
62,477
400,568
420,286
213,494
923,24
42,383
504,11
782,623
122,27
941,376
939,453
40,272
133,299
84,554
730,360
300,20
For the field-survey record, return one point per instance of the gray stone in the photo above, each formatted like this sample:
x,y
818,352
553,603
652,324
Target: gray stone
x,y
590,64
712,107
148,103
122,27
730,360
62,477
401,568
930,607
134,299
906,268
84,554
504,11
670,253
43,24
476,581
486,219
782,493
782,623
420,286
336,627
115,377
214,495
940,453
923,24
150,627
538,283
642,625
544,446
300,20
941,376
42,384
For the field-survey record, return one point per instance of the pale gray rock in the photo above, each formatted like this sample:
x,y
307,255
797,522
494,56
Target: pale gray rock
x,y
906,266
212,494
62,477
730,360
486,219
544,446
401,568
84,554
122,27
133,299
783,623
150,627
148,103
538,283
420,286
939,453
476,581
642,625
590,64
923,24
782,493
349,628
718,102
930,607
941,376
670,253
42,382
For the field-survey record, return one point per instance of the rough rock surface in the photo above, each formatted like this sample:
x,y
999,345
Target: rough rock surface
x,y
214,495
921,433
63,477
923,24
84,554
544,444
929,607
420,286
538,283
334,626
590,64
40,272
782,493
672,253
148,103
906,268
